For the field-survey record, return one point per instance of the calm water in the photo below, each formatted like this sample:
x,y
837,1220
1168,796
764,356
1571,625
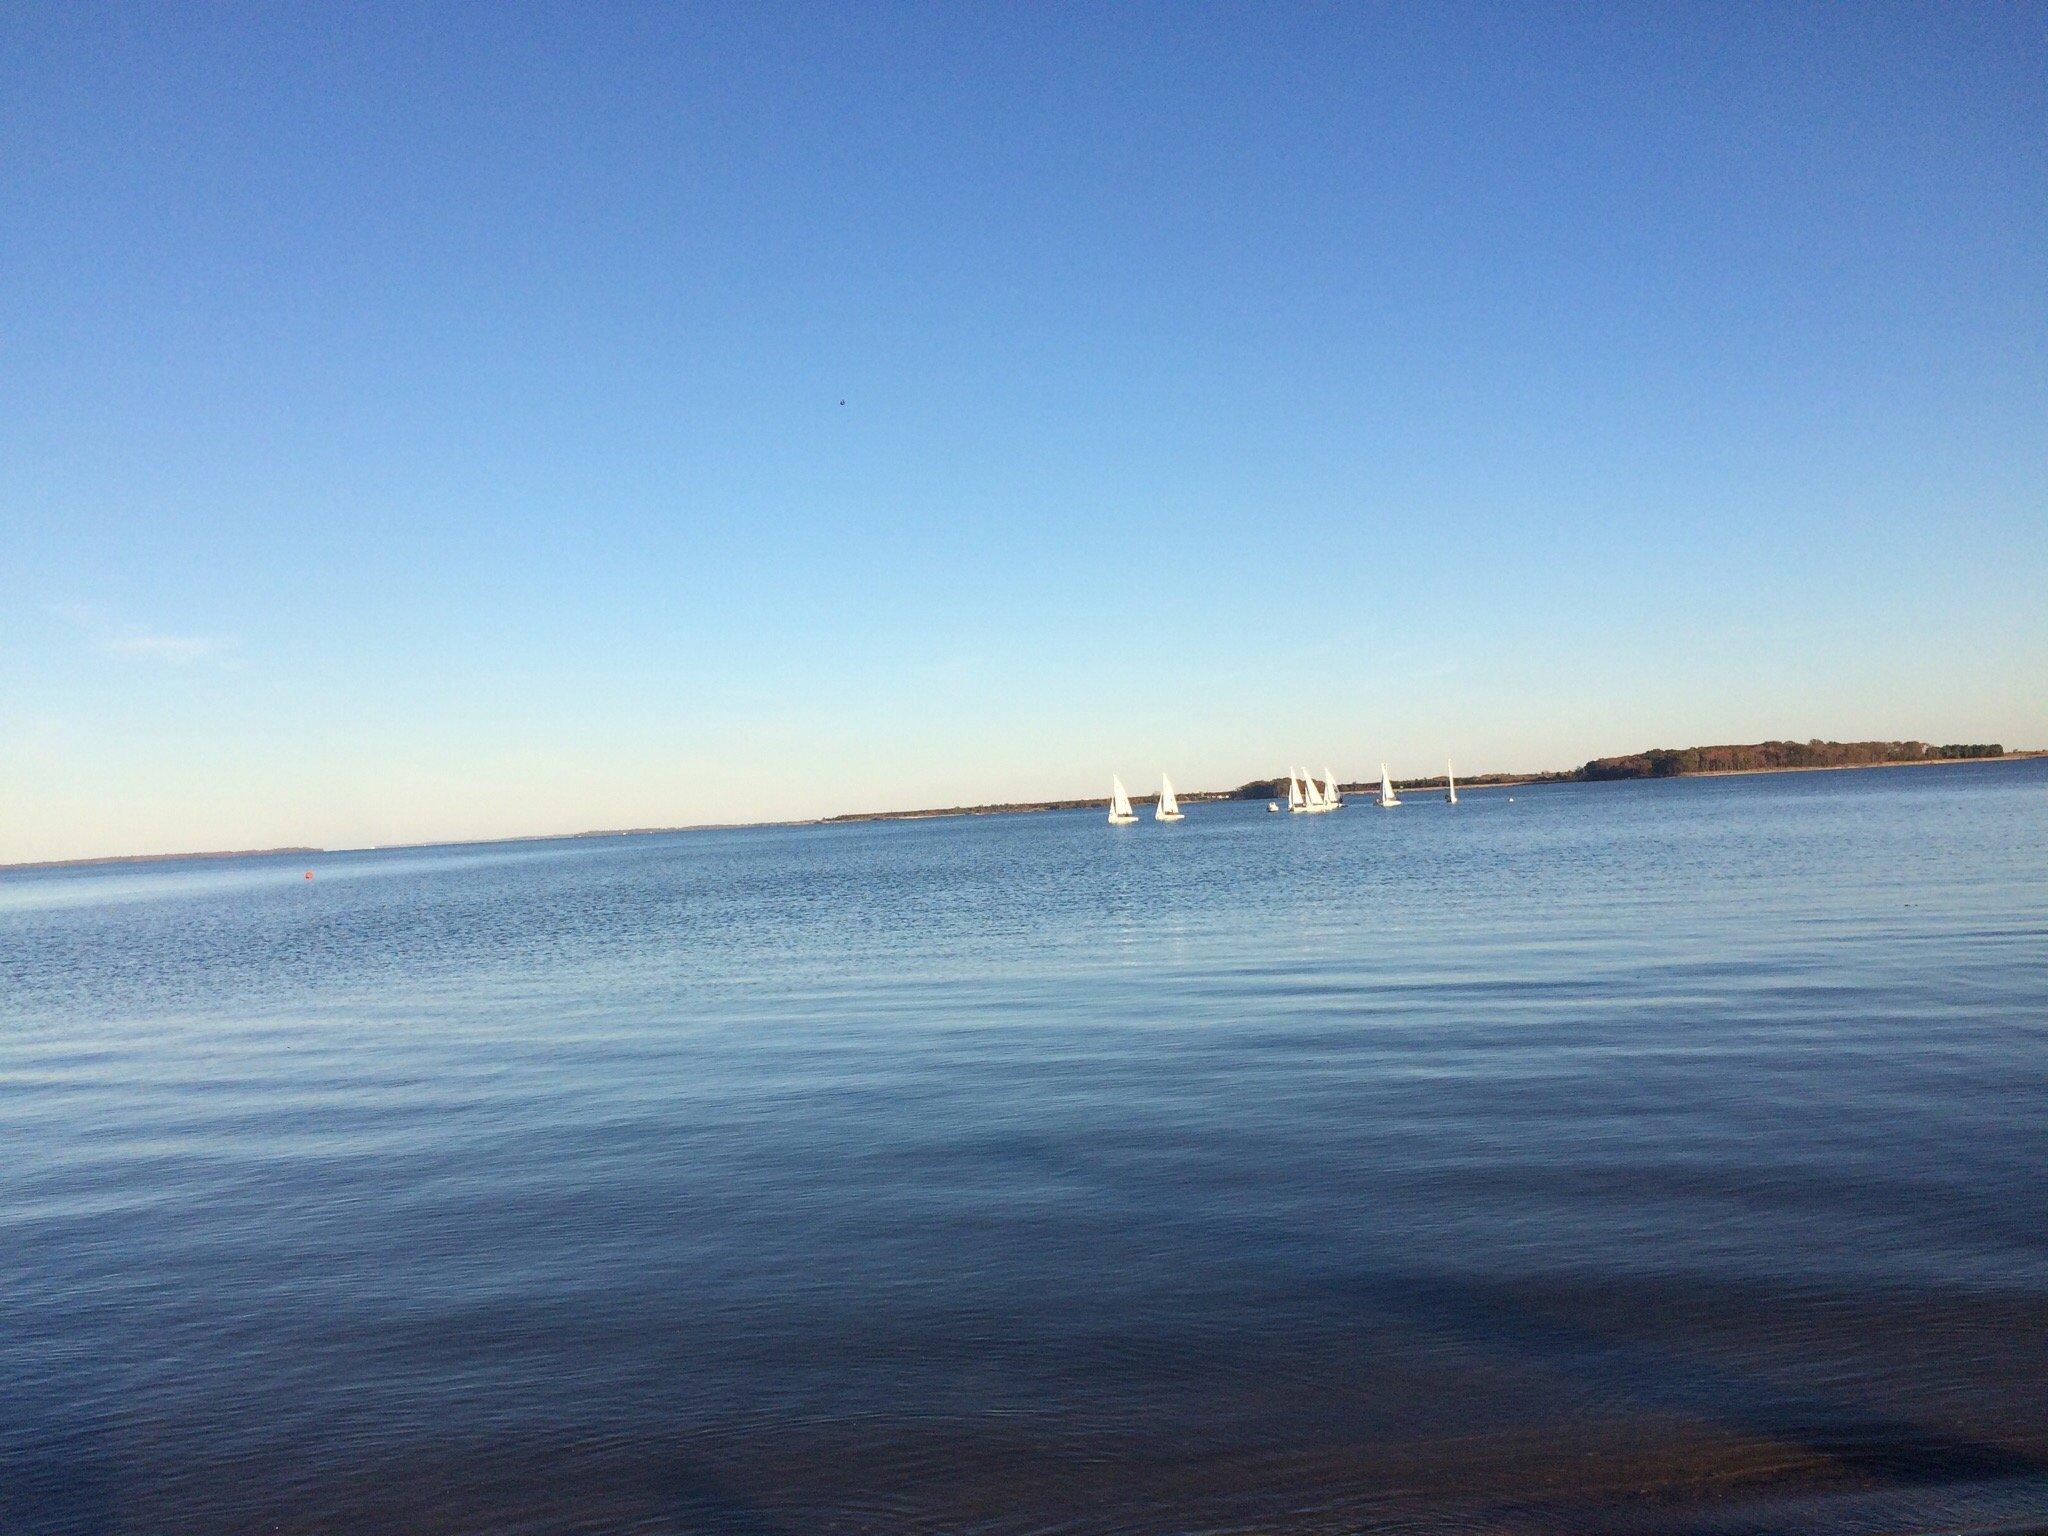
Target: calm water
x,y
1625,1158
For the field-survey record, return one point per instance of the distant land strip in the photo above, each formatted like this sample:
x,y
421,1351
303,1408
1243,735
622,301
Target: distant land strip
x,y
1656,763
161,858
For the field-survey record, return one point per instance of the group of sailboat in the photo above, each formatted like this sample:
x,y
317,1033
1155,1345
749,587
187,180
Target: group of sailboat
x,y
1304,796
1307,796
1121,814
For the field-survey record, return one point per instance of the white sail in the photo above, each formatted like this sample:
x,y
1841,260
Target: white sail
x,y
1386,788
1168,808
1330,788
1450,783
1119,802
1312,791
1295,800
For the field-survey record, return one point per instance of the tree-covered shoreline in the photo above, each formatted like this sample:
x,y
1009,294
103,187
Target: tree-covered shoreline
x,y
1766,756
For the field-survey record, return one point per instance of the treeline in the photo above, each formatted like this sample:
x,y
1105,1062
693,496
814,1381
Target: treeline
x,y
1970,749
1669,762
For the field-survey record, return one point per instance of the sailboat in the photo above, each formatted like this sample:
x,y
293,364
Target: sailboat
x,y
1296,801
1168,808
1386,788
1450,783
1314,793
1330,789
1120,814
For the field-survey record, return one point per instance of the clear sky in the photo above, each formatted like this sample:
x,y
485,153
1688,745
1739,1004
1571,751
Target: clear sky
x,y
450,422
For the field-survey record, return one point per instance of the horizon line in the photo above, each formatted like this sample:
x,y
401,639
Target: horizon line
x,y
1478,781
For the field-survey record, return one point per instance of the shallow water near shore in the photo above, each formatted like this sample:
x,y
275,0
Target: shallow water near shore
x,y
1640,1157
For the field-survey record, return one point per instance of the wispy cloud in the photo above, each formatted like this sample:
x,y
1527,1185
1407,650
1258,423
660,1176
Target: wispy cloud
x,y
178,650
112,637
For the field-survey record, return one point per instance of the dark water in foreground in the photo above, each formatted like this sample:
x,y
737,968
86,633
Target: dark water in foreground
x,y
1628,1158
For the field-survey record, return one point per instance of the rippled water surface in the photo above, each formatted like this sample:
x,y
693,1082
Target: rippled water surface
x,y
1622,1158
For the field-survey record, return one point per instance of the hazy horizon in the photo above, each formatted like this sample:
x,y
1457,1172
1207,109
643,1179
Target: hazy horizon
x,y
433,427
1141,790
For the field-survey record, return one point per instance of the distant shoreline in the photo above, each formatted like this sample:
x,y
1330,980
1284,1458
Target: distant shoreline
x,y
1925,762
1474,785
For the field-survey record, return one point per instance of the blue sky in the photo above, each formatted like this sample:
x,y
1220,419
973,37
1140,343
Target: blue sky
x,y
428,423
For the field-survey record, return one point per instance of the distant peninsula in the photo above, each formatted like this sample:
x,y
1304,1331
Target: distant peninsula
x,y
1780,756
1654,763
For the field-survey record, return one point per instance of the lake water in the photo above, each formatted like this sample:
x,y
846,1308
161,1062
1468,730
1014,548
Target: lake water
x,y
1648,1157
